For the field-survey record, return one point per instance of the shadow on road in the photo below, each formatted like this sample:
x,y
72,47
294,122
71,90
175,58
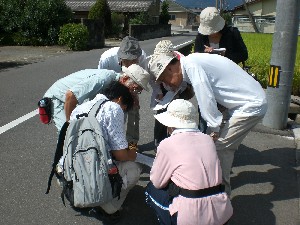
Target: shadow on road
x,y
272,181
7,65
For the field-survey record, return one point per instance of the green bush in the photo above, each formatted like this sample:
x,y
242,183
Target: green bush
x,y
33,22
101,11
117,21
141,18
74,36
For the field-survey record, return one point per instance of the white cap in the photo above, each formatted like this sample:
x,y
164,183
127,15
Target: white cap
x,y
138,75
180,114
210,21
162,56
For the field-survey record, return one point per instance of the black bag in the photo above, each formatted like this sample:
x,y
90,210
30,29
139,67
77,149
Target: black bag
x,y
116,182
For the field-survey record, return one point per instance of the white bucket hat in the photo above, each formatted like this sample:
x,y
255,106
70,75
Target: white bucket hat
x,y
138,75
210,21
180,114
162,56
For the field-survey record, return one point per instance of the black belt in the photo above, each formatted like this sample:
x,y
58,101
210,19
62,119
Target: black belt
x,y
202,192
174,191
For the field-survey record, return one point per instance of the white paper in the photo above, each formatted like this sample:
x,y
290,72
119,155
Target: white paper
x,y
217,50
165,101
146,160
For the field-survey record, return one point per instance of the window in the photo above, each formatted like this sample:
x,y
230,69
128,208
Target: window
x,y
172,17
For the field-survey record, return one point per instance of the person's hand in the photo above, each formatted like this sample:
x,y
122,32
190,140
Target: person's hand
x,y
208,49
159,96
214,135
222,53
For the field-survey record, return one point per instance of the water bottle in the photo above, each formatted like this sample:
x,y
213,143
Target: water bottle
x,y
112,169
42,103
44,110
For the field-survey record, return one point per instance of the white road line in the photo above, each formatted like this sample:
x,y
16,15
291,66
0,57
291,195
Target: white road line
x,y
18,121
35,112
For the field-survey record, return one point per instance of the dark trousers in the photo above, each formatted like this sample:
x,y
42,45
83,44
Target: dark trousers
x,y
202,123
159,200
160,130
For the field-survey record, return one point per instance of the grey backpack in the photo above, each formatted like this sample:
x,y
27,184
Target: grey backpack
x,y
85,162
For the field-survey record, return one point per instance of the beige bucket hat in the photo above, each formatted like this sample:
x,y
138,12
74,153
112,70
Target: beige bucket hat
x,y
210,21
180,114
138,75
162,56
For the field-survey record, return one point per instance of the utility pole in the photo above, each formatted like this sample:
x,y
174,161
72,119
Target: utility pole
x,y
282,63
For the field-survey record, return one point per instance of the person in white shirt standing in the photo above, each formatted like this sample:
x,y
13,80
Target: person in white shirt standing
x,y
127,54
217,80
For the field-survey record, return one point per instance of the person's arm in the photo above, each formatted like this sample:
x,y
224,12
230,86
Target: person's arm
x,y
163,166
70,104
240,52
205,98
124,155
199,43
143,60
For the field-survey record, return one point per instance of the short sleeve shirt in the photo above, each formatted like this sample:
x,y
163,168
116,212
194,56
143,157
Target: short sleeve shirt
x,y
111,119
85,84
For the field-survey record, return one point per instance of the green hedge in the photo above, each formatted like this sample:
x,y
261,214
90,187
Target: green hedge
x,y
74,36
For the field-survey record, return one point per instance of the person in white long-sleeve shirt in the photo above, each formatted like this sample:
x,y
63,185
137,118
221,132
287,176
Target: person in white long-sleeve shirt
x,y
217,80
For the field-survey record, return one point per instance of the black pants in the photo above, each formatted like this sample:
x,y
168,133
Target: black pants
x,y
160,130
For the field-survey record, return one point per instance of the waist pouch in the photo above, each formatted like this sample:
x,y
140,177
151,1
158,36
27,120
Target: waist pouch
x,y
44,107
174,191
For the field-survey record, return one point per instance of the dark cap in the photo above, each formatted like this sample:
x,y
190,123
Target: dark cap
x,y
129,48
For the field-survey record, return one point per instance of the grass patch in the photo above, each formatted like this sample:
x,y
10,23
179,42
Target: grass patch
x,y
260,52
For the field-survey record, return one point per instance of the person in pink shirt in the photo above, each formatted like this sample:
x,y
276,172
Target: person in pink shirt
x,y
185,185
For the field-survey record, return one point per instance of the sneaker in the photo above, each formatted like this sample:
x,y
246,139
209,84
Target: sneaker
x,y
106,218
133,146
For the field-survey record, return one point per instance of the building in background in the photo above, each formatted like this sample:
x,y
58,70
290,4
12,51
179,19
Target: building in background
x,y
180,15
81,8
263,13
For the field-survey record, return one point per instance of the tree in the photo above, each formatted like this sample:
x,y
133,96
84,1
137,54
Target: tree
x,y
101,11
33,22
164,16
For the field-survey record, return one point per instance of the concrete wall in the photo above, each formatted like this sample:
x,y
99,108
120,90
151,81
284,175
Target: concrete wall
x,y
145,32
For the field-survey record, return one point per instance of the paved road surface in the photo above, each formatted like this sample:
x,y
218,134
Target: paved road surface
x,y
264,176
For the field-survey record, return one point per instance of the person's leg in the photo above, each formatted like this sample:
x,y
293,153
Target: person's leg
x,y
130,173
160,131
231,135
159,200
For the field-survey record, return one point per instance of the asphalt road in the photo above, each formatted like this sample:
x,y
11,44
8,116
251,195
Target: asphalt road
x,y
27,149
264,176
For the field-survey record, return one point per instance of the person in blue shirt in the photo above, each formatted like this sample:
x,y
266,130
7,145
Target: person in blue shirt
x,y
78,87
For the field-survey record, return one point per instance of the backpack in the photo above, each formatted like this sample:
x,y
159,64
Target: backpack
x,y
85,178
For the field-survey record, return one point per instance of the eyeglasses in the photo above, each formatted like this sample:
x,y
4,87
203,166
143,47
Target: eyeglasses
x,y
136,90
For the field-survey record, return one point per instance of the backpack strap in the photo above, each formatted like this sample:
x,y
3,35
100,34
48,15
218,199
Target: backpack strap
x,y
96,107
58,152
